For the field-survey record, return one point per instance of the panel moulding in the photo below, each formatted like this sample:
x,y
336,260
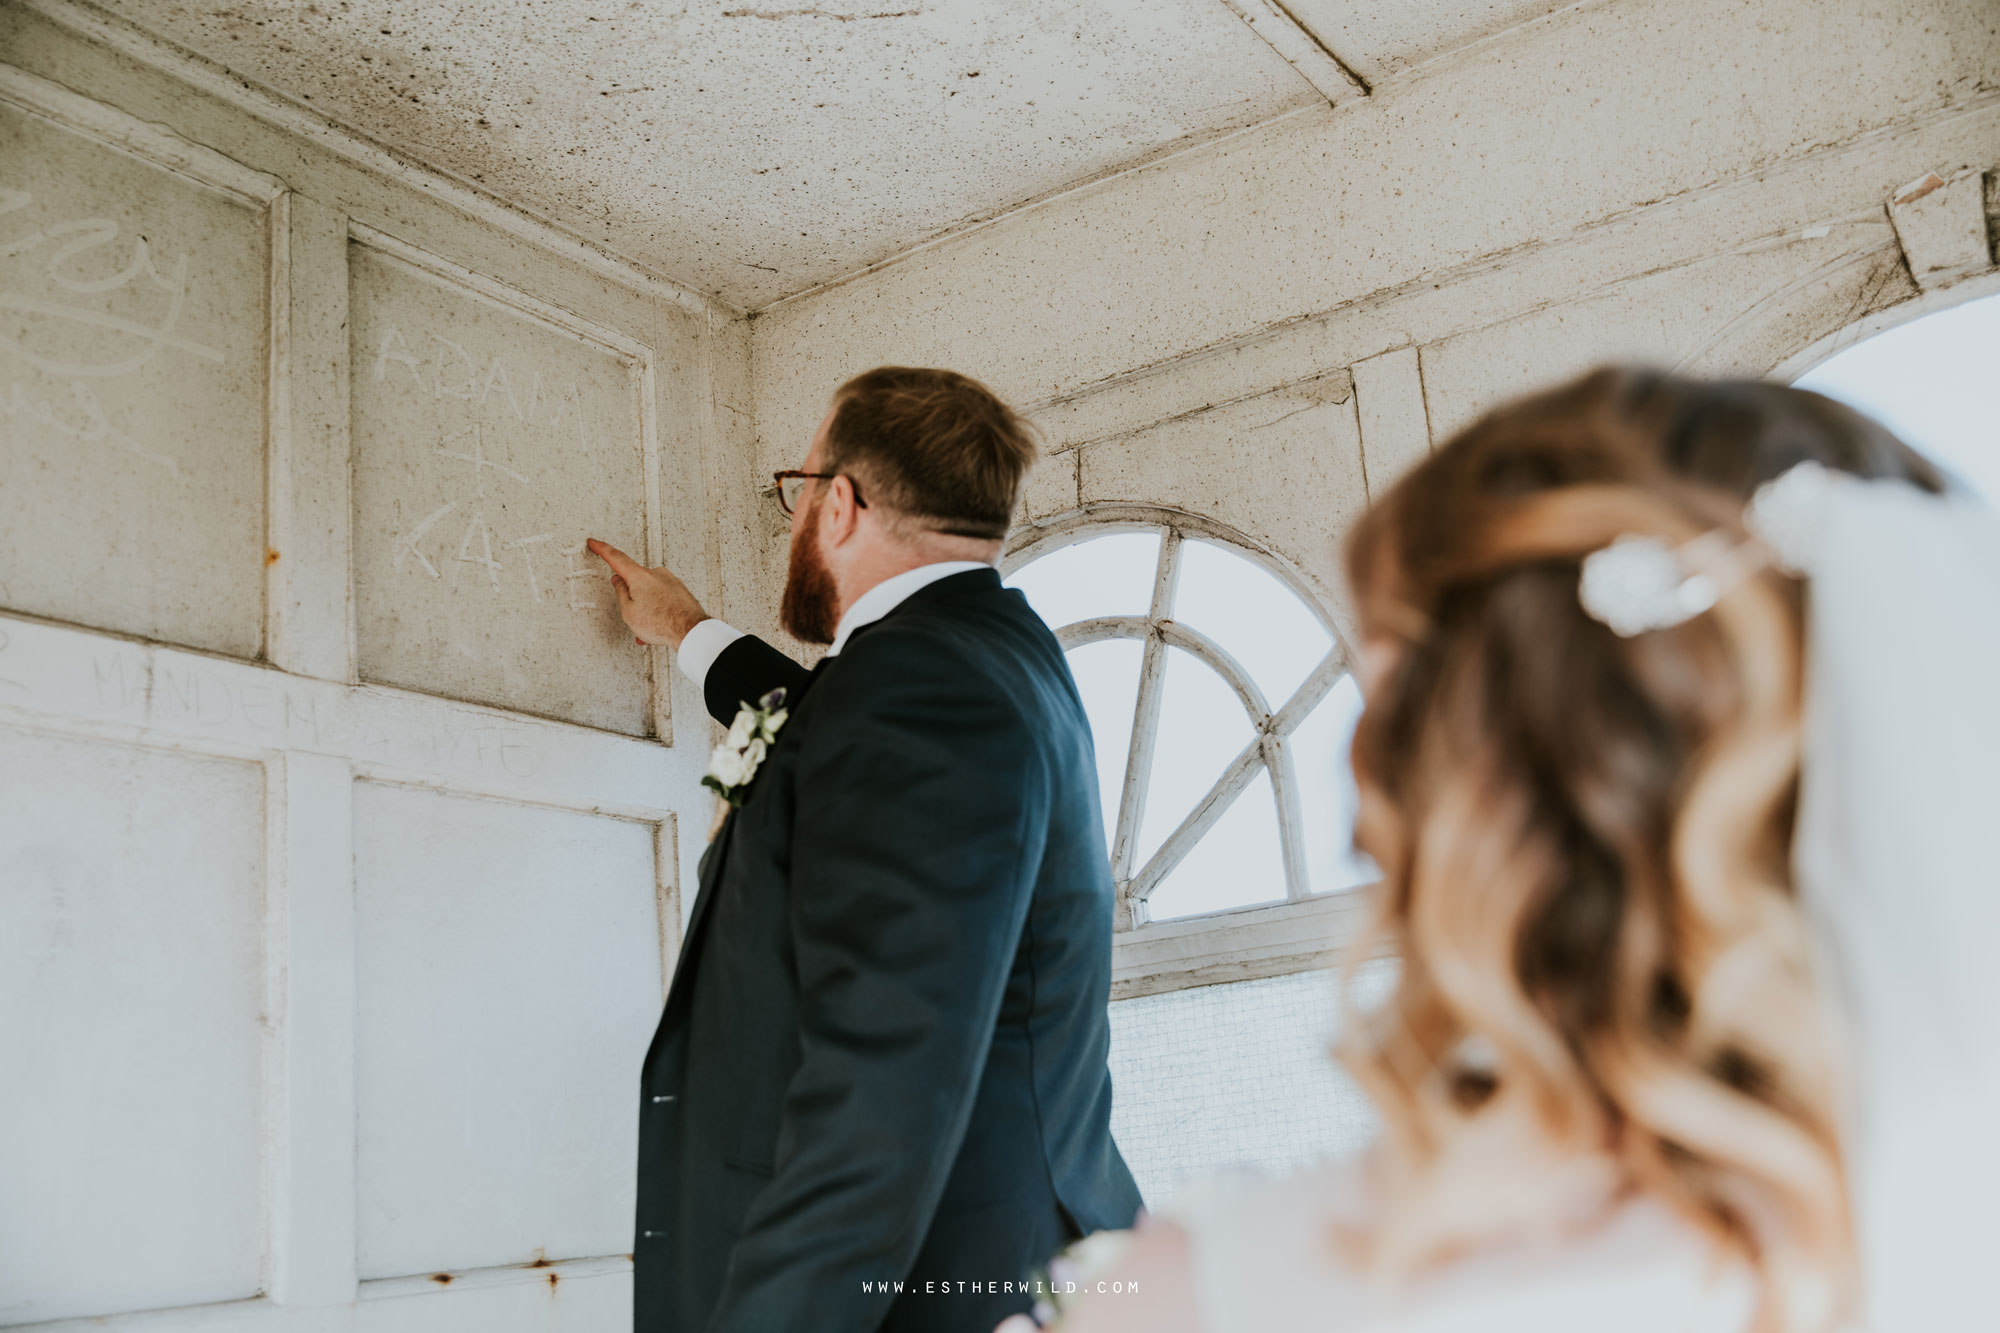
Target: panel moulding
x,y
292,118
55,677
637,357
154,144
267,200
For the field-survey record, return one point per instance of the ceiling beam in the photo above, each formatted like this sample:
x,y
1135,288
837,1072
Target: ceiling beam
x,y
1301,48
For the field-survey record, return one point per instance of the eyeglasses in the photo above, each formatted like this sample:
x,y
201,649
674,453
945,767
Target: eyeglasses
x,y
792,485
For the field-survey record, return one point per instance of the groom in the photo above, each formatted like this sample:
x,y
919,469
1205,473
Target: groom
x,y
878,1095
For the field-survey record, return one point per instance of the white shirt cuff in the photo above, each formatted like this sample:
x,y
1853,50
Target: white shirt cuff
x,y
703,644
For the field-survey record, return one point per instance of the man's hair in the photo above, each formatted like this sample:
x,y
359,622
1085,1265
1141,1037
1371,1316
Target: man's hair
x,y
933,444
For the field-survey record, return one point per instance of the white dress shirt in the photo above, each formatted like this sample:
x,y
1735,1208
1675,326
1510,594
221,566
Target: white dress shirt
x,y
705,642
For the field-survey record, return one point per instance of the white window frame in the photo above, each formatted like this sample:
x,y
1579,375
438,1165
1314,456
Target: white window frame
x,y
1269,939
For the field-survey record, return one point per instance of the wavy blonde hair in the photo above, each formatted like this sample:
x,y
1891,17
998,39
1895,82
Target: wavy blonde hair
x,y
1605,981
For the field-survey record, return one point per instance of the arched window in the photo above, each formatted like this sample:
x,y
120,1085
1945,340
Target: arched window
x,y
1931,381
1221,707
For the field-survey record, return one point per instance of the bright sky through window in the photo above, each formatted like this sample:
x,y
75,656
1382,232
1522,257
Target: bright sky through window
x,y
1213,833
1935,382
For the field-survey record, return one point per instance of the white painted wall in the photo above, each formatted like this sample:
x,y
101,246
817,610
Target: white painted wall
x,y
1267,330
342,828
132,952
1698,183
342,834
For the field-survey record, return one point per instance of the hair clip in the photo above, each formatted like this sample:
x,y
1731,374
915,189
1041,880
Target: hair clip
x,y
1640,583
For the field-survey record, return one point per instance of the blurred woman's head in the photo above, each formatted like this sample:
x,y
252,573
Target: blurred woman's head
x,y
1738,434
1585,839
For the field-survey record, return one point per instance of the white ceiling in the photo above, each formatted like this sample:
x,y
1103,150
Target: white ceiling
x,y
1378,38
754,149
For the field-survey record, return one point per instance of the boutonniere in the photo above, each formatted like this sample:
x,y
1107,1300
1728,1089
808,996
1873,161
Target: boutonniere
x,y
734,762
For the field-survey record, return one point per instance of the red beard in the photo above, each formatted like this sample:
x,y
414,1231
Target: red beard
x,y
809,611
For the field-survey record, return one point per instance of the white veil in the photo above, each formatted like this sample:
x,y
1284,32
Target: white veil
x,y
1898,859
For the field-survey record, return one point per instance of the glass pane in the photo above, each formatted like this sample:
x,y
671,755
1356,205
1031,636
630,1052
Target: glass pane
x,y
1107,676
1104,576
1202,727
1252,614
1930,381
1326,791
1236,1074
1238,864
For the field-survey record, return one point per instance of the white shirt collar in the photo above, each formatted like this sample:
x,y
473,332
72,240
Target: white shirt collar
x,y
890,593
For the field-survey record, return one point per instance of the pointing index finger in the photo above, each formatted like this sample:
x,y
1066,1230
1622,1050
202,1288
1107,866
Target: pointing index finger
x,y
621,564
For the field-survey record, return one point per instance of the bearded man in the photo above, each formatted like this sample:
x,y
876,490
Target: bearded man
x,y
878,1095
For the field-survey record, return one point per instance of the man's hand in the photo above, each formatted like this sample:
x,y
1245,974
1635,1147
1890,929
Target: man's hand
x,y
657,606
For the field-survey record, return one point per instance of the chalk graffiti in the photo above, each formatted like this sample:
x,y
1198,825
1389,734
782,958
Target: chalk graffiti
x,y
534,585
573,575
454,373
53,260
477,457
485,557
505,748
407,543
114,688
450,371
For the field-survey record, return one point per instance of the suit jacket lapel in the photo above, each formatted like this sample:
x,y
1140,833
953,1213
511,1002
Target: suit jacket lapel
x,y
709,875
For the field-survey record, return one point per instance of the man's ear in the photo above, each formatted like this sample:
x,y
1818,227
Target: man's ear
x,y
843,516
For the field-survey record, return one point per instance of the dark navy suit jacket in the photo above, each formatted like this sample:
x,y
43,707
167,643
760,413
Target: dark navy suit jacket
x,y
878,1094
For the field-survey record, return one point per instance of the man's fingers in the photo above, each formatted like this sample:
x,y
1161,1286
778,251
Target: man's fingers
x,y
648,622
621,564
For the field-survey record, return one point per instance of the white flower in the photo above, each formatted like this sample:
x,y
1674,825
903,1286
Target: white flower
x,y
733,763
729,766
